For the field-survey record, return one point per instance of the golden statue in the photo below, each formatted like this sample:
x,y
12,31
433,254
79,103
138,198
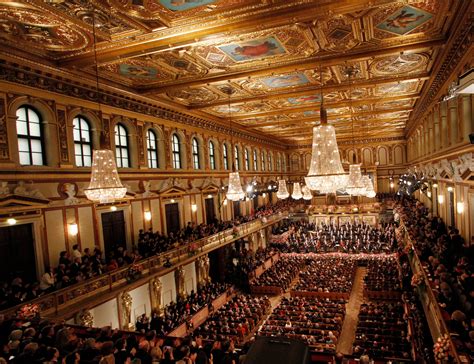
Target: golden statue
x,y
180,284
86,319
207,265
156,287
126,303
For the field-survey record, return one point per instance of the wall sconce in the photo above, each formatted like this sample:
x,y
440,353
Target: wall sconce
x,y
172,200
209,196
460,207
392,184
147,215
73,229
113,208
194,207
11,221
450,189
435,185
225,202
428,194
264,195
440,199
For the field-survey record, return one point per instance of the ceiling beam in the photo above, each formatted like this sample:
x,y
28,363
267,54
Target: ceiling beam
x,y
299,65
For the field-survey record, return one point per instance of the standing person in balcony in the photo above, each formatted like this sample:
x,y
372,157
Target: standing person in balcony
x,y
48,280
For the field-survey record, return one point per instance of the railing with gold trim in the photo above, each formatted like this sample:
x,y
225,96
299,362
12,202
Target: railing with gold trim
x,y
428,300
60,301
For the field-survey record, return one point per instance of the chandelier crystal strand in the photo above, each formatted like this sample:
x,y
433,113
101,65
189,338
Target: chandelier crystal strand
x,y
307,195
105,185
296,195
282,192
369,187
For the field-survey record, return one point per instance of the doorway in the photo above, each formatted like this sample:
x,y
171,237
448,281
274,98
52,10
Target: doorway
x,y
236,207
172,218
17,249
113,229
210,210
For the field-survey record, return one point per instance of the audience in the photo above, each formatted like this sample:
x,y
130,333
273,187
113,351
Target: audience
x,y
383,275
280,275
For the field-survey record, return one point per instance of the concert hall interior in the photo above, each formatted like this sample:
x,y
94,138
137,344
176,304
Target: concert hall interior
x,y
236,181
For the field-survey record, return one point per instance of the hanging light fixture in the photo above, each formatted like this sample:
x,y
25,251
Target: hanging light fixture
x,y
369,187
326,173
282,192
234,191
105,185
296,195
307,195
355,185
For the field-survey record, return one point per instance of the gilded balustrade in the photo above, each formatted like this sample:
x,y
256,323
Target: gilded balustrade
x,y
428,299
51,304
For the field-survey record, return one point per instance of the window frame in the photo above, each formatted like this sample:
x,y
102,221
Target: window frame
x,y
81,143
246,159
255,160
152,153
263,160
30,138
176,152
195,153
225,156
212,155
236,157
122,151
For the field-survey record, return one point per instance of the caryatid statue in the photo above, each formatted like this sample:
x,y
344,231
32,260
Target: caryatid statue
x,y
207,266
180,282
201,270
156,301
126,305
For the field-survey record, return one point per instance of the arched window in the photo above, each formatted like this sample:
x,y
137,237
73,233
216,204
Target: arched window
x,y
30,137
225,156
196,161
247,159
121,146
212,155
278,162
176,151
270,164
152,149
263,161
255,161
236,156
82,141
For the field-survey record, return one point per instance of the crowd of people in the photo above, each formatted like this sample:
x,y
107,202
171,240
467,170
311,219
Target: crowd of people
x,y
326,274
77,266
235,320
316,321
304,237
382,331
383,274
43,342
177,313
279,275
449,262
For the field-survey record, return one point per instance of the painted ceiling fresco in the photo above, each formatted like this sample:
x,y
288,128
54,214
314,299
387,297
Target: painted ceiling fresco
x,y
278,58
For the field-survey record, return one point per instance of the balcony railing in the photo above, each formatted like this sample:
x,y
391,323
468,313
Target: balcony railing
x,y
70,299
428,300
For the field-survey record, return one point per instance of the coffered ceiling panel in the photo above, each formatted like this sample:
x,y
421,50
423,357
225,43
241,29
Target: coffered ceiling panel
x,y
275,58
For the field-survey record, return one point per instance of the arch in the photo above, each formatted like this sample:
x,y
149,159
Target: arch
x,y
94,121
83,141
367,158
382,156
270,161
212,154
352,156
295,162
30,135
160,146
398,154
278,162
49,128
307,160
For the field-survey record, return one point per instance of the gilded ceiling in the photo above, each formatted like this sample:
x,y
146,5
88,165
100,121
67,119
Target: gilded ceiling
x,y
278,57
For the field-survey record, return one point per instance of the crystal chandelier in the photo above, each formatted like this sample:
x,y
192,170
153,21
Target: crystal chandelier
x,y
326,173
235,191
355,184
307,195
282,192
296,195
369,187
105,185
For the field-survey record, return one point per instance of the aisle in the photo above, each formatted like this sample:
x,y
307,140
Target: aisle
x,y
344,344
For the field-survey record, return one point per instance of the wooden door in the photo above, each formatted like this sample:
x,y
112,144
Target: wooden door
x,y
236,206
172,217
17,252
210,210
113,229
